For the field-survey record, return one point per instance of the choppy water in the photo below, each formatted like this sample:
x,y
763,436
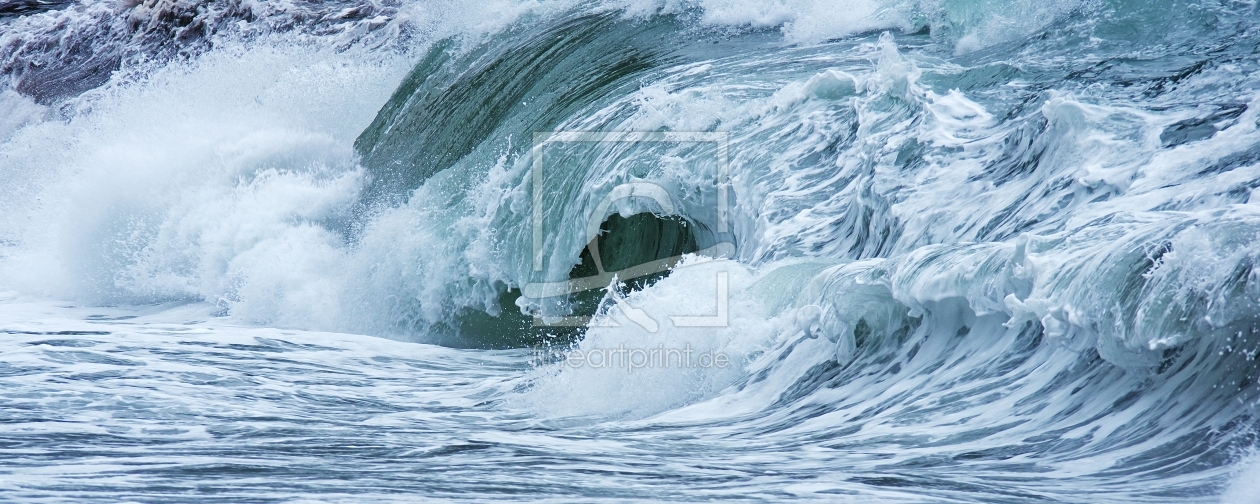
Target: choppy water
x,y
950,251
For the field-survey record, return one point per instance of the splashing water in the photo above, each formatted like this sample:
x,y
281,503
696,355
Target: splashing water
x,y
905,250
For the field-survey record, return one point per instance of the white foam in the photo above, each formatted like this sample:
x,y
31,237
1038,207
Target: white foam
x,y
968,26
1245,488
203,182
806,21
16,111
570,388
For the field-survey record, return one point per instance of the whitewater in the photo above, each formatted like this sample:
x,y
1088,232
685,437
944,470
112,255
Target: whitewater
x,y
661,250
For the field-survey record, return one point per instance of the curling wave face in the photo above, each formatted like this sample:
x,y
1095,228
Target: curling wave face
x,y
994,251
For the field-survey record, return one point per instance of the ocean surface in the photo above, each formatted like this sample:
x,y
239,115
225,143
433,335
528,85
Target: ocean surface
x,y
660,250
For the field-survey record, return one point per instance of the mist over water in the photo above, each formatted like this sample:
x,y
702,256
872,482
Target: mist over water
x,y
947,251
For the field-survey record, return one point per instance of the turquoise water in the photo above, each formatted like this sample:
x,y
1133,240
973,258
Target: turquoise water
x,y
907,251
